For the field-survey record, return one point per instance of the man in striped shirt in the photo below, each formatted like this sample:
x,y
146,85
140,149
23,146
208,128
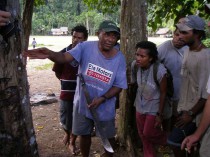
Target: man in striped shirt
x,y
66,73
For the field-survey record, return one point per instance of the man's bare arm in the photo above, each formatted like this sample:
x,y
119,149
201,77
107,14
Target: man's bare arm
x,y
44,53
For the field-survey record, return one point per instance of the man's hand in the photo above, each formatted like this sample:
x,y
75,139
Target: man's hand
x,y
183,120
96,102
4,17
158,122
40,53
189,142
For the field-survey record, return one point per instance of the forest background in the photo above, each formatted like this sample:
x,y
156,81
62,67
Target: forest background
x,y
51,14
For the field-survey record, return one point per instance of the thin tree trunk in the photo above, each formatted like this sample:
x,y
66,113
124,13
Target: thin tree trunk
x,y
17,137
133,29
27,21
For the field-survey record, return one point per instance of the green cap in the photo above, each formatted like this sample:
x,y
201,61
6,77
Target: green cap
x,y
109,26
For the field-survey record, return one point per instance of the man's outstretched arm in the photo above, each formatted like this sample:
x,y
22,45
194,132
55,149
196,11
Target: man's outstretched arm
x,y
44,53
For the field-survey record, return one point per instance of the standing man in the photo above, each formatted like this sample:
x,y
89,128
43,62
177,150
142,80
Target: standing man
x,y
104,70
171,53
66,73
195,72
203,131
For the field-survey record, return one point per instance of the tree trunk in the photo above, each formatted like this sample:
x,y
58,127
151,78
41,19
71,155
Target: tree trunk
x,y
27,21
17,136
133,29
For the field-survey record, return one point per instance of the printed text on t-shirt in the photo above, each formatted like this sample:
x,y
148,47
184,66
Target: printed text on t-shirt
x,y
99,73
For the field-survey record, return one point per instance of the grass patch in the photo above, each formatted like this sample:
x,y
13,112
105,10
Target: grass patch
x,y
45,66
40,45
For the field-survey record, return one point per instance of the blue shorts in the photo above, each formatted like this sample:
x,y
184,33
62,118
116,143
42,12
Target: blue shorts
x,y
178,134
66,114
84,126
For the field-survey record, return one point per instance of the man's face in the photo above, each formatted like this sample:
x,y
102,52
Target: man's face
x,y
177,42
187,37
107,40
77,37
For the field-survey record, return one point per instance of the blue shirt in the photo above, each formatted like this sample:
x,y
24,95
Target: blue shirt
x,y
100,75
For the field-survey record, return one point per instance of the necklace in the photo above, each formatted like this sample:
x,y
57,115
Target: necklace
x,y
144,78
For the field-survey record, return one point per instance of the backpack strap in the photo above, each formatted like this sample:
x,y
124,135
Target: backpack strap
x,y
155,70
135,70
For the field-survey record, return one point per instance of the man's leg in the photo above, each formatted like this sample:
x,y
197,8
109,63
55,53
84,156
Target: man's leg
x,y
63,121
72,145
66,138
85,143
82,126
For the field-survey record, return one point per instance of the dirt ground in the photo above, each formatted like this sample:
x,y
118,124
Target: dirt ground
x,y
49,134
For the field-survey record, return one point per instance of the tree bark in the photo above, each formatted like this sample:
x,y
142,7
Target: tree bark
x,y
133,29
27,20
17,136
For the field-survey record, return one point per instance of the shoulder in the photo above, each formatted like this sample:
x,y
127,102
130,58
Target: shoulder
x,y
164,44
160,68
207,50
88,43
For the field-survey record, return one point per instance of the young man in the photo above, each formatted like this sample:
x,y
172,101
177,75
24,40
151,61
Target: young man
x,y
171,53
195,74
4,18
104,69
203,131
66,73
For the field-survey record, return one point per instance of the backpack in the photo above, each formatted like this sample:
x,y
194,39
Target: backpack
x,y
169,77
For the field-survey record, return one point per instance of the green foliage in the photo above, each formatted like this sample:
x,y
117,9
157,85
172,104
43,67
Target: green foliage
x,y
39,2
206,42
63,13
104,6
162,11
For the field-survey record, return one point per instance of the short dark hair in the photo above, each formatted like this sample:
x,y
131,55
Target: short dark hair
x,y
150,47
81,29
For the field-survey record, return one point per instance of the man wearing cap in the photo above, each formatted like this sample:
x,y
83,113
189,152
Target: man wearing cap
x,y
104,70
194,72
203,131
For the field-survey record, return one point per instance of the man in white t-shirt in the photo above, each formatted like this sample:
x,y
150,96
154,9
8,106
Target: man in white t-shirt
x,y
202,132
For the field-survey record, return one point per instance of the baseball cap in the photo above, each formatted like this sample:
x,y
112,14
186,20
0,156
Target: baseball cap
x,y
109,26
191,22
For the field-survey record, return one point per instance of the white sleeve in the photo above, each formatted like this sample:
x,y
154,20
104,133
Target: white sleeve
x,y
208,85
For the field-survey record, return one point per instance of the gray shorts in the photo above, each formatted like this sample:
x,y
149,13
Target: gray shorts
x,y
84,126
66,114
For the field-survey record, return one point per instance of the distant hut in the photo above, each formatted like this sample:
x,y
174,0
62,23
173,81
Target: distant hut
x,y
162,32
59,31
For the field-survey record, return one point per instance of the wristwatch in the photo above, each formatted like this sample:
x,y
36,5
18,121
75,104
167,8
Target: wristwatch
x,y
190,113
